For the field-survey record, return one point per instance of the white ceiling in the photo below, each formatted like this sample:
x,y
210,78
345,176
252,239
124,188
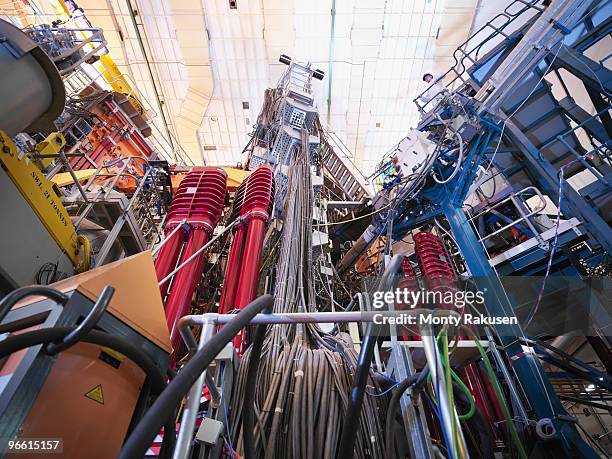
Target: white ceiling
x,y
207,59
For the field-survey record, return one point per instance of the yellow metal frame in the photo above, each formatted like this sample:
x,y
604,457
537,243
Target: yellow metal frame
x,y
106,65
45,200
52,145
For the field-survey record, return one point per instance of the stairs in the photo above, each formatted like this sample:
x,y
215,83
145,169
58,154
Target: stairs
x,y
344,173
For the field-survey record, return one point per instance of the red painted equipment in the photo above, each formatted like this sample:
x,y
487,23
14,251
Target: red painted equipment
x,y
440,276
409,283
234,261
434,263
254,204
199,201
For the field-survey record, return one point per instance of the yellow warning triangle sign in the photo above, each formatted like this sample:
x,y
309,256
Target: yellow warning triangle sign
x,y
96,394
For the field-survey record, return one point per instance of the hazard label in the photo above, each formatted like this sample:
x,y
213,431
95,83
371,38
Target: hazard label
x,y
96,394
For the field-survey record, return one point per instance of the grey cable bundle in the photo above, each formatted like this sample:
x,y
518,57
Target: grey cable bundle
x,y
305,376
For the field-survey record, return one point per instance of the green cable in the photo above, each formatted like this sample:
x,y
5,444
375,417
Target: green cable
x,y
498,393
464,388
449,391
466,391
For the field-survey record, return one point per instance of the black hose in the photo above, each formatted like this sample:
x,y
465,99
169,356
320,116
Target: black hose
x,y
353,412
144,433
18,294
24,340
91,320
482,445
392,409
169,439
248,403
349,434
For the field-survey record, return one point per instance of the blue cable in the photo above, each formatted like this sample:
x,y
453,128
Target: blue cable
x,y
435,411
227,428
384,392
387,377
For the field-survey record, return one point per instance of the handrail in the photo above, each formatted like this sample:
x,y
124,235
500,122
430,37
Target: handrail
x,y
459,68
110,183
524,216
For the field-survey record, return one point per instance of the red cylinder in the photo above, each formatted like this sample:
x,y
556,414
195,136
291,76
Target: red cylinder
x,y
435,265
234,262
251,262
199,203
479,385
254,200
185,283
408,283
440,276
167,258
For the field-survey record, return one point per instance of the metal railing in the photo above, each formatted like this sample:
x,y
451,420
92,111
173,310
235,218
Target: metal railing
x,y
68,48
467,53
210,322
87,75
518,200
600,151
141,202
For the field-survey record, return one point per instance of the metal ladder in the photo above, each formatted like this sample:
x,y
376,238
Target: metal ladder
x,y
342,171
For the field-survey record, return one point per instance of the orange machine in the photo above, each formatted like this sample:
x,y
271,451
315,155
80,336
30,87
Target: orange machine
x,y
111,133
89,394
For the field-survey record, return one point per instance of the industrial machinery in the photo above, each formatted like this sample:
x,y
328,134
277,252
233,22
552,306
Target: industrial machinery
x,y
110,343
454,303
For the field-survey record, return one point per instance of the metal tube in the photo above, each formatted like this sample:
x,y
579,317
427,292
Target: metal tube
x,y
211,320
163,242
234,261
179,301
302,318
522,412
437,374
73,175
192,404
198,252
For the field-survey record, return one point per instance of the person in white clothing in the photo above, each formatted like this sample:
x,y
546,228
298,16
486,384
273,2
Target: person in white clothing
x,y
435,92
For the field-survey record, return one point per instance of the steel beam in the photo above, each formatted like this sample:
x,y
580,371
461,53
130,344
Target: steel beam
x,y
592,73
525,363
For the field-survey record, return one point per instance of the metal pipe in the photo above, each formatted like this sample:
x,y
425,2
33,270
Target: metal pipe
x,y
234,262
163,242
73,175
522,412
211,320
185,283
192,404
195,254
